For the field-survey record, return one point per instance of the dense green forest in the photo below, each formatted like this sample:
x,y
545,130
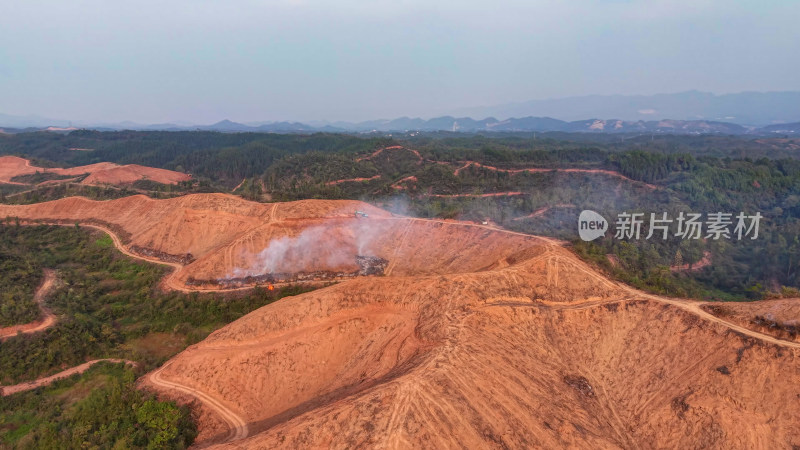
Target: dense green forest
x,y
17,285
107,306
99,409
226,158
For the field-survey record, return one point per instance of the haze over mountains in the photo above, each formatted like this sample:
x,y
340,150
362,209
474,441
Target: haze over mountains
x,y
745,108
689,112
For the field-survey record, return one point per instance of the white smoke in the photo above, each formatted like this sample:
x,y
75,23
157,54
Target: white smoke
x,y
321,247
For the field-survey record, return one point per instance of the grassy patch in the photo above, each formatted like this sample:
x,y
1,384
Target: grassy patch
x,y
108,307
159,345
40,177
98,409
104,241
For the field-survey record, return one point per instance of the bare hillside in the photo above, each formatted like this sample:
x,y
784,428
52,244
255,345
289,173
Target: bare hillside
x,y
472,337
100,173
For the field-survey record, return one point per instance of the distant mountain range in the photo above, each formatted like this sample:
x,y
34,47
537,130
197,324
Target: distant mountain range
x,y
464,124
746,108
688,112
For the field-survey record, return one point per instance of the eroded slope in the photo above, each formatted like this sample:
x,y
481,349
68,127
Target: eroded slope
x,y
219,237
477,338
543,353
100,173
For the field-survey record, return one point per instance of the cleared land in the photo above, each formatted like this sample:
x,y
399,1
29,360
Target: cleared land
x,y
541,353
100,173
476,337
779,318
212,237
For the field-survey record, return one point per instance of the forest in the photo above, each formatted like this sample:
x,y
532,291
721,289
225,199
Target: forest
x,y
99,409
538,184
108,306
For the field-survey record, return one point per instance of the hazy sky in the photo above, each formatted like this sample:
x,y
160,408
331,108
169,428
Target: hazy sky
x,y
247,60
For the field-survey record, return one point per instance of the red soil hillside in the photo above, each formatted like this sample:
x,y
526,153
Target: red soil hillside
x,y
100,173
476,338
779,318
227,236
543,353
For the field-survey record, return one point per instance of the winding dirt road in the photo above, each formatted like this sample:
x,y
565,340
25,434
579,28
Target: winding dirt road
x,y
690,306
352,180
610,173
166,281
236,425
44,381
121,247
48,318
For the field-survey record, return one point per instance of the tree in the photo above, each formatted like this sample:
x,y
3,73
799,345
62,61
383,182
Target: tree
x,y
162,419
678,258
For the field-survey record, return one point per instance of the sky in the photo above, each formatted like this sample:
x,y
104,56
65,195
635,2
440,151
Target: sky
x,y
200,61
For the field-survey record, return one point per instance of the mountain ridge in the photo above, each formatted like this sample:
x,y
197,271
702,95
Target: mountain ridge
x,y
690,112
462,124
745,108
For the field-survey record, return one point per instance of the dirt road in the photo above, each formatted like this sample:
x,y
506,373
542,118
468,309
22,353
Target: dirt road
x,y
551,241
29,385
695,308
168,279
352,180
236,425
542,211
491,194
238,428
48,318
610,173
687,305
239,185
691,306
705,261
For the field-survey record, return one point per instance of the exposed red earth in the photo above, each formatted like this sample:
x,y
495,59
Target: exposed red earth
x,y
214,236
491,194
100,173
705,261
239,185
398,184
394,147
352,180
474,337
610,173
542,211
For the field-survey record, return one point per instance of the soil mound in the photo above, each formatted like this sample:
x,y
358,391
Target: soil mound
x,y
543,353
100,173
475,337
224,237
